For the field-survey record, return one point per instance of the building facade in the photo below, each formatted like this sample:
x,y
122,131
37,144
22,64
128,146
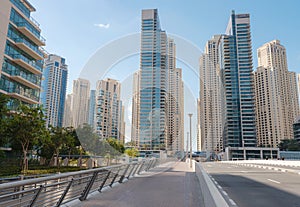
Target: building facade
x,y
153,92
80,103
135,108
54,86
109,112
277,103
235,55
21,53
175,140
68,115
92,107
210,95
296,129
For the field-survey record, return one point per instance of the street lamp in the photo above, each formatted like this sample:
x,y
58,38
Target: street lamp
x,y
190,115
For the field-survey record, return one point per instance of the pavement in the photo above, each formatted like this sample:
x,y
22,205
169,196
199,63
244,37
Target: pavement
x,y
169,185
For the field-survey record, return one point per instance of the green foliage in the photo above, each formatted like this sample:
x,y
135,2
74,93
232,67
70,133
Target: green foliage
x,y
61,140
132,152
3,115
25,127
87,138
39,170
116,144
289,145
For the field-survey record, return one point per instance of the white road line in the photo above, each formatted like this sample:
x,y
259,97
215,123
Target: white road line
x,y
274,181
232,202
224,192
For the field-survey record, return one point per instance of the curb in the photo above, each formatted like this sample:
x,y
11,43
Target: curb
x,y
212,195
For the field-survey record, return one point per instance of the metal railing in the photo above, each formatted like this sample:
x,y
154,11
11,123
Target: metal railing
x,y
60,189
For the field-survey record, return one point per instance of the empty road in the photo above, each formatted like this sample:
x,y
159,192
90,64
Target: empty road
x,y
249,186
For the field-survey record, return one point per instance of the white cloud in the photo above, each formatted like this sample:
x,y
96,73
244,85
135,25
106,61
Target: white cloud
x,y
105,26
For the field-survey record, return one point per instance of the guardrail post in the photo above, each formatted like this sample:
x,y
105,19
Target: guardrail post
x,y
88,187
141,167
149,165
36,196
64,193
133,167
113,180
136,168
104,181
123,176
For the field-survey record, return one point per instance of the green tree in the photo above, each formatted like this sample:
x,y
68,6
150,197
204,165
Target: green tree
x,y
289,145
132,152
88,138
25,127
3,116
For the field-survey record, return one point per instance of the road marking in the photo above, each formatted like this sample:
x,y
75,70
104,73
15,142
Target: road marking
x,y
232,202
244,171
224,192
274,181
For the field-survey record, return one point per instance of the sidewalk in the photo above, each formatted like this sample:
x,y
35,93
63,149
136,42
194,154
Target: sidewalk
x,y
171,185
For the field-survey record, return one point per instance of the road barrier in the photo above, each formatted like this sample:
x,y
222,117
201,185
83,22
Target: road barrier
x,y
62,188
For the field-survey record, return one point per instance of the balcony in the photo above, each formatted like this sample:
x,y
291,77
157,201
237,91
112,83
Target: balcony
x,y
27,29
29,48
29,80
23,95
30,65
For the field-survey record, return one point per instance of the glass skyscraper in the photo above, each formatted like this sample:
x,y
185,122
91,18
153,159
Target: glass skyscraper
x,y
21,54
235,53
153,111
54,88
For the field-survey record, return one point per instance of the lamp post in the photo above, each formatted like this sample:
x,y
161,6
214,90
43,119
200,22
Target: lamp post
x,y
187,145
190,115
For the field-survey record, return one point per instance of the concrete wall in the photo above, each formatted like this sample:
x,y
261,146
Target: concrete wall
x,y
5,6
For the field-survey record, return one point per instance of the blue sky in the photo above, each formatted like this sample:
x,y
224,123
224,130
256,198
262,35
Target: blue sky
x,y
77,29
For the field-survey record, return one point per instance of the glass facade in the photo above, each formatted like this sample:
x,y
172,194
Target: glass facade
x,y
23,63
54,88
237,76
154,83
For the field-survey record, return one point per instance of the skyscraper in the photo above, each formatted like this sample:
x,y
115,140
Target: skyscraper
x,y
153,94
92,105
135,108
21,55
54,88
277,103
175,140
68,115
80,108
210,95
235,54
109,112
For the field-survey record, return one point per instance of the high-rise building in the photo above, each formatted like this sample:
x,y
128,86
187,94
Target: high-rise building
x,y
210,95
109,112
177,97
21,54
92,105
235,54
199,142
153,92
54,86
80,108
175,140
277,103
135,108
68,115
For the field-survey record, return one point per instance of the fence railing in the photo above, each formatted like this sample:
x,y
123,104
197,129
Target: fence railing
x,y
60,189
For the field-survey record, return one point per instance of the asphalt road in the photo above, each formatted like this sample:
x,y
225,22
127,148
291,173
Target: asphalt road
x,y
256,187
